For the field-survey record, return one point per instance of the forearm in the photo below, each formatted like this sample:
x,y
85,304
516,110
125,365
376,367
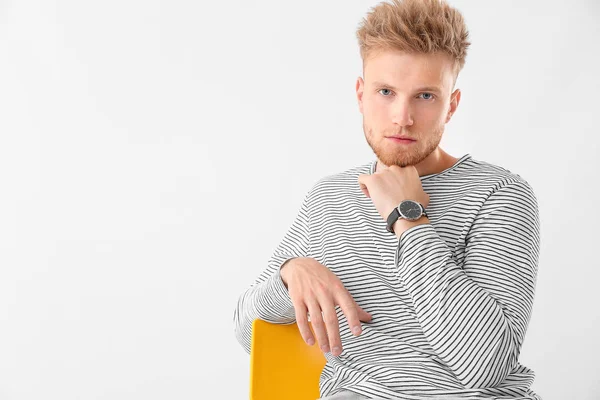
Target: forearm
x,y
466,326
268,301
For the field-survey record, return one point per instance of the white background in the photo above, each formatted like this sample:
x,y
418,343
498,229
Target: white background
x,y
153,153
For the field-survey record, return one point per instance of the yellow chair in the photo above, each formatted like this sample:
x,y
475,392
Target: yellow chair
x,y
282,365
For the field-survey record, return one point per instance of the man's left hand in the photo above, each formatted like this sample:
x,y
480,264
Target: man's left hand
x,y
389,187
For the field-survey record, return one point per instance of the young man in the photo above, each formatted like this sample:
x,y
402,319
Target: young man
x,y
417,270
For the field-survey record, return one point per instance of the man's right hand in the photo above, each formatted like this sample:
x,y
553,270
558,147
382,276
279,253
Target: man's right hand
x,y
313,289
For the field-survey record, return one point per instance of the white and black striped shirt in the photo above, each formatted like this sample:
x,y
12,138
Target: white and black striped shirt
x,y
450,300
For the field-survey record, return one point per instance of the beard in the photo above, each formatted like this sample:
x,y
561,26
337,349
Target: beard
x,y
397,154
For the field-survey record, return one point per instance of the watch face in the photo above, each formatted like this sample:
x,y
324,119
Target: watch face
x,y
410,210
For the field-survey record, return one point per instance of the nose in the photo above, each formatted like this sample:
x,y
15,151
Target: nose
x,y
401,113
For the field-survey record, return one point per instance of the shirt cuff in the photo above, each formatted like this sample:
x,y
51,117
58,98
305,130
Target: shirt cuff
x,y
412,237
280,296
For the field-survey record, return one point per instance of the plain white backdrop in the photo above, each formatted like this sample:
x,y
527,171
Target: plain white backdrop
x,y
153,153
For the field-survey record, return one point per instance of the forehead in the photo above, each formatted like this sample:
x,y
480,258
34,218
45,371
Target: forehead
x,y
408,70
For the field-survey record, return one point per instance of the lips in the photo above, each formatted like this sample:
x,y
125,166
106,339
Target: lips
x,y
401,137
401,140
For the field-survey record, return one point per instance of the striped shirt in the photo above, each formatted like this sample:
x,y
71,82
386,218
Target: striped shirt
x,y
450,300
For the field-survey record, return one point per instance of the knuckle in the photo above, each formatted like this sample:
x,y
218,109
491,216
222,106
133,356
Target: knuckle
x,y
305,333
331,319
316,319
351,311
352,318
337,286
302,323
301,318
322,288
322,339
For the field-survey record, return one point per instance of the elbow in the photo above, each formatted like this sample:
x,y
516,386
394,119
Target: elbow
x,y
483,380
241,331
488,375
491,369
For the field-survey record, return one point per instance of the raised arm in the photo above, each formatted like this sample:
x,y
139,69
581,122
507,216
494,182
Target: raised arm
x,y
475,317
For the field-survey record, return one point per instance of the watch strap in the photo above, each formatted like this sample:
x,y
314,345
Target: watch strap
x,y
391,219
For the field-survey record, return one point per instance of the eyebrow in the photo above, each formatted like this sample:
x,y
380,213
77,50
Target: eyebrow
x,y
421,89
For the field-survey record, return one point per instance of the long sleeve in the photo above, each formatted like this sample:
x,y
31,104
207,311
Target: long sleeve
x,y
268,298
475,316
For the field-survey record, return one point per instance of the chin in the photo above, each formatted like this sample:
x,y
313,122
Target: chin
x,y
401,160
426,145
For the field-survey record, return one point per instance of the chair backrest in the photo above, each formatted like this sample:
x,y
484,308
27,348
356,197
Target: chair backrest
x,y
282,365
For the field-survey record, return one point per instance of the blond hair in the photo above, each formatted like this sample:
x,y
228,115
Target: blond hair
x,y
415,26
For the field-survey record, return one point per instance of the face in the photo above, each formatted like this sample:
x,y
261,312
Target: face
x,y
406,95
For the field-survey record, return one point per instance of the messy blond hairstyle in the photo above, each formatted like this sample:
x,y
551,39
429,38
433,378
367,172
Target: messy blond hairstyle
x,y
415,26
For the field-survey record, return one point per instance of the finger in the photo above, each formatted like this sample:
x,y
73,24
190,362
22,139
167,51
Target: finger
x,y
303,325
351,311
333,327
318,325
363,315
362,181
365,191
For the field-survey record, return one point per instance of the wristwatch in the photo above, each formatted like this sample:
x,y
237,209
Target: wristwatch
x,y
407,209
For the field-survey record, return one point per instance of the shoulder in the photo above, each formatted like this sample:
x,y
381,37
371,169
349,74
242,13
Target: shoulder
x,y
340,183
490,176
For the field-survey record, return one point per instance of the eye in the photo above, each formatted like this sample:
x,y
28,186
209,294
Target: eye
x,y
431,96
385,92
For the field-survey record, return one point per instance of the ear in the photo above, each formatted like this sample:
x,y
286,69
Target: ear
x,y
360,87
454,100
